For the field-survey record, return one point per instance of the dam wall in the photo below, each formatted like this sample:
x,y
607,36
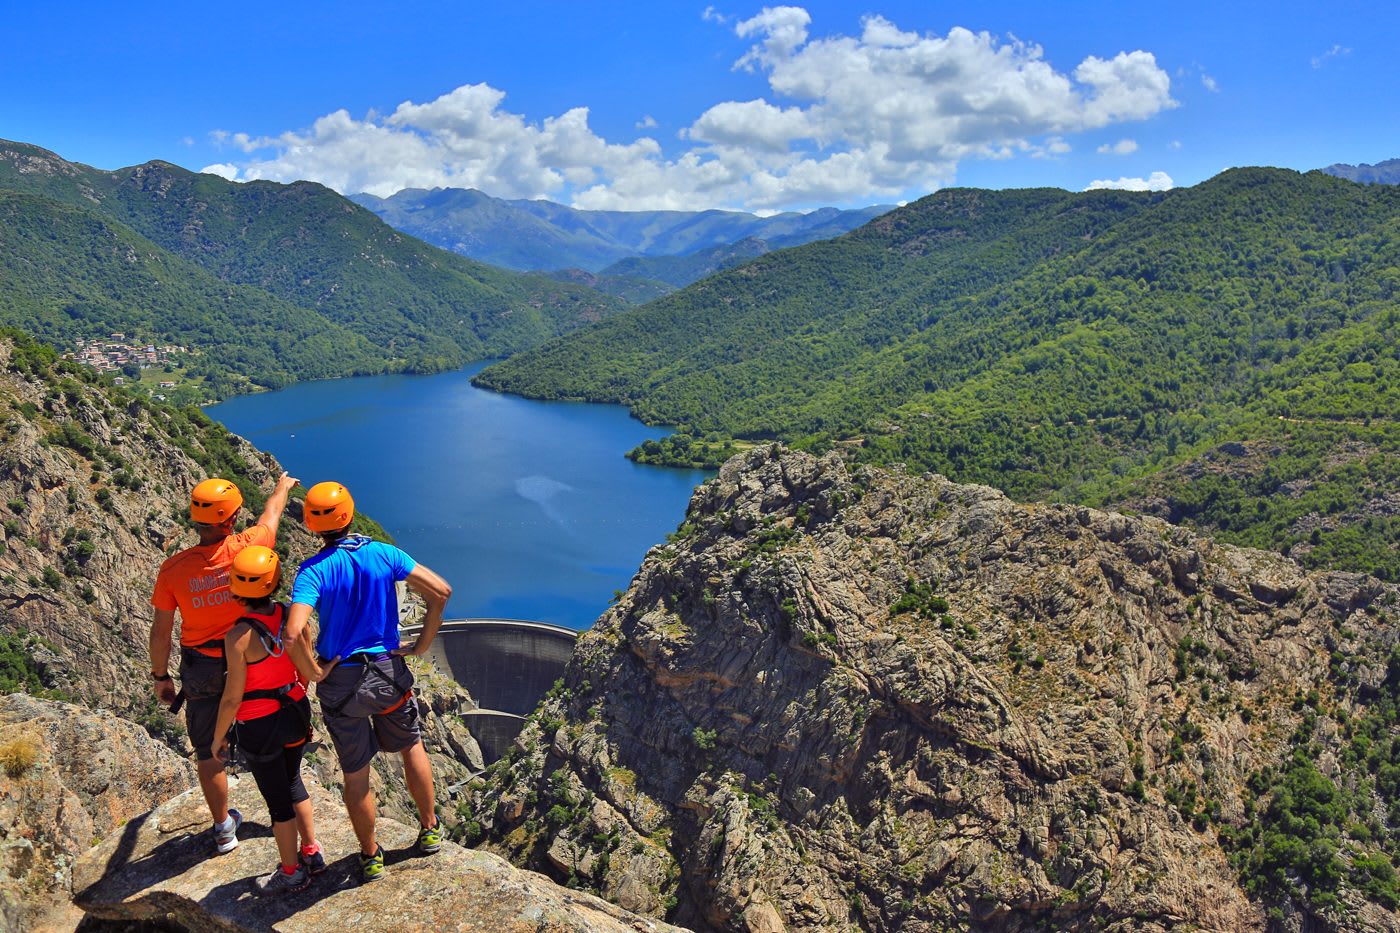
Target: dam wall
x,y
507,665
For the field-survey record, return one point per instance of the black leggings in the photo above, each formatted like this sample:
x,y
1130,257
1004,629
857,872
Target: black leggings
x,y
277,771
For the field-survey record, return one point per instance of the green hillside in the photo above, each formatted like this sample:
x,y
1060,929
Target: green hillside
x,y
66,272
1096,347
304,245
680,271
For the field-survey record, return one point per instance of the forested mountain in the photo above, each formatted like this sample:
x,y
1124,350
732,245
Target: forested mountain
x,y
1382,173
680,271
1227,355
268,281
542,235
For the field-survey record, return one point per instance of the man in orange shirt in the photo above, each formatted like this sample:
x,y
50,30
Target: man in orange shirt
x,y
195,583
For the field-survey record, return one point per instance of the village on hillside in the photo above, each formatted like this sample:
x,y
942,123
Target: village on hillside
x,y
115,353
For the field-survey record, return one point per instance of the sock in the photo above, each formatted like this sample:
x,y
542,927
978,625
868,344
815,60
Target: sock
x,y
226,825
311,850
290,869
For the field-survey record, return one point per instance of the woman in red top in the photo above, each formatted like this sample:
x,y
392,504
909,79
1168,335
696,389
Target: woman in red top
x,y
265,696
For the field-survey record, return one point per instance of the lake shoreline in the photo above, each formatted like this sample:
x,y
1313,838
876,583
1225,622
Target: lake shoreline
x,y
530,508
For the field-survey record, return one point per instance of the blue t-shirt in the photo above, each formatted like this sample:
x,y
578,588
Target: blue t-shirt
x,y
351,587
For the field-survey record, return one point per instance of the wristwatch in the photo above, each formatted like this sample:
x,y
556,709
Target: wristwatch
x,y
155,676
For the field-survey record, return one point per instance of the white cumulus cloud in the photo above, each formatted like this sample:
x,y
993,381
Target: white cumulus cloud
x,y
1122,147
1157,181
887,113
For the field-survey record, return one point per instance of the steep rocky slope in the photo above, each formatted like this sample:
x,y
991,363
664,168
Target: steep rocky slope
x,y
94,488
69,777
844,698
94,493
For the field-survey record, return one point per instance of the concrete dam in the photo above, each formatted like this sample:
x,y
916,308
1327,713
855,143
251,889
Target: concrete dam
x,y
507,665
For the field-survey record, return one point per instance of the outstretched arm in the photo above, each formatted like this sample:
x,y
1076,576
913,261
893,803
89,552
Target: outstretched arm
x,y
277,503
435,592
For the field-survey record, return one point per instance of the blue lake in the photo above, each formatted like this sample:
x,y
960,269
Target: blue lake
x,y
529,509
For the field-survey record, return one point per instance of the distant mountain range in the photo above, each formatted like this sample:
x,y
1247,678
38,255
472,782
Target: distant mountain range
x,y
544,236
269,283
1382,173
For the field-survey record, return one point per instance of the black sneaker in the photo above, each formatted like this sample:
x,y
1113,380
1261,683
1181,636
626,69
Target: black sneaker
x,y
315,863
279,882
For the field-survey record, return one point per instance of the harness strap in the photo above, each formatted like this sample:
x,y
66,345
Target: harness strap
x,y
281,695
213,644
366,662
272,644
408,695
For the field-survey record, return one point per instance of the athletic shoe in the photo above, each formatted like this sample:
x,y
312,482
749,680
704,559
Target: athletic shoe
x,y
315,863
430,838
226,841
279,882
372,866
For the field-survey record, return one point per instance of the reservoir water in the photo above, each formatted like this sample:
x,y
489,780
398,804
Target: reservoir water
x,y
529,509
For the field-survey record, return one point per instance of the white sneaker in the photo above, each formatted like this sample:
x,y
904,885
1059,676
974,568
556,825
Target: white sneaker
x,y
227,840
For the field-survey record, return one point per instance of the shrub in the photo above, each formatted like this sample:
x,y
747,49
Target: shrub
x,y
18,756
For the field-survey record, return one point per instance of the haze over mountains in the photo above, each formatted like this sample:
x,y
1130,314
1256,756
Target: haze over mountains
x,y
1382,173
544,236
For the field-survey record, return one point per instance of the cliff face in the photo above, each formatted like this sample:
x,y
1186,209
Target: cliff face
x,y
69,778
93,490
858,699
94,487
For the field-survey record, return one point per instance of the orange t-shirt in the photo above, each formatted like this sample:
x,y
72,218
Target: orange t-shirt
x,y
195,581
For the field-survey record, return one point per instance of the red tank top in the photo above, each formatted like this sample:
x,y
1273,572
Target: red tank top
x,y
271,673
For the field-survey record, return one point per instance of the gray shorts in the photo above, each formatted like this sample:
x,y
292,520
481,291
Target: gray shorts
x,y
202,679
353,700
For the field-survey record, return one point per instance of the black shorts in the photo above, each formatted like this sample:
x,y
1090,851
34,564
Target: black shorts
x,y
353,700
202,680
272,746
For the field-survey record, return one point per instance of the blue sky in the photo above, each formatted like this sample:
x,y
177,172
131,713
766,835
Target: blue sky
x,y
688,106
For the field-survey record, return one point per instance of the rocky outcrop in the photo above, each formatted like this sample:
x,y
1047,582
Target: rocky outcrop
x,y
857,699
157,870
94,493
69,778
94,490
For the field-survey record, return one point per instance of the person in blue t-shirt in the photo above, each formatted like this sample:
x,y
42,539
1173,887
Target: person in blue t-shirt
x,y
365,688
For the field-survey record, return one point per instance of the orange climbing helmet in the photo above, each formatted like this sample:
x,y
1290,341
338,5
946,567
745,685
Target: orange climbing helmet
x,y
256,572
328,507
214,502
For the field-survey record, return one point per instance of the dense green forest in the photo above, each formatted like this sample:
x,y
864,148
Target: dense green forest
x,y
269,282
1224,355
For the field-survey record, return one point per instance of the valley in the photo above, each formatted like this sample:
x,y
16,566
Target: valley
x,y
1048,579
